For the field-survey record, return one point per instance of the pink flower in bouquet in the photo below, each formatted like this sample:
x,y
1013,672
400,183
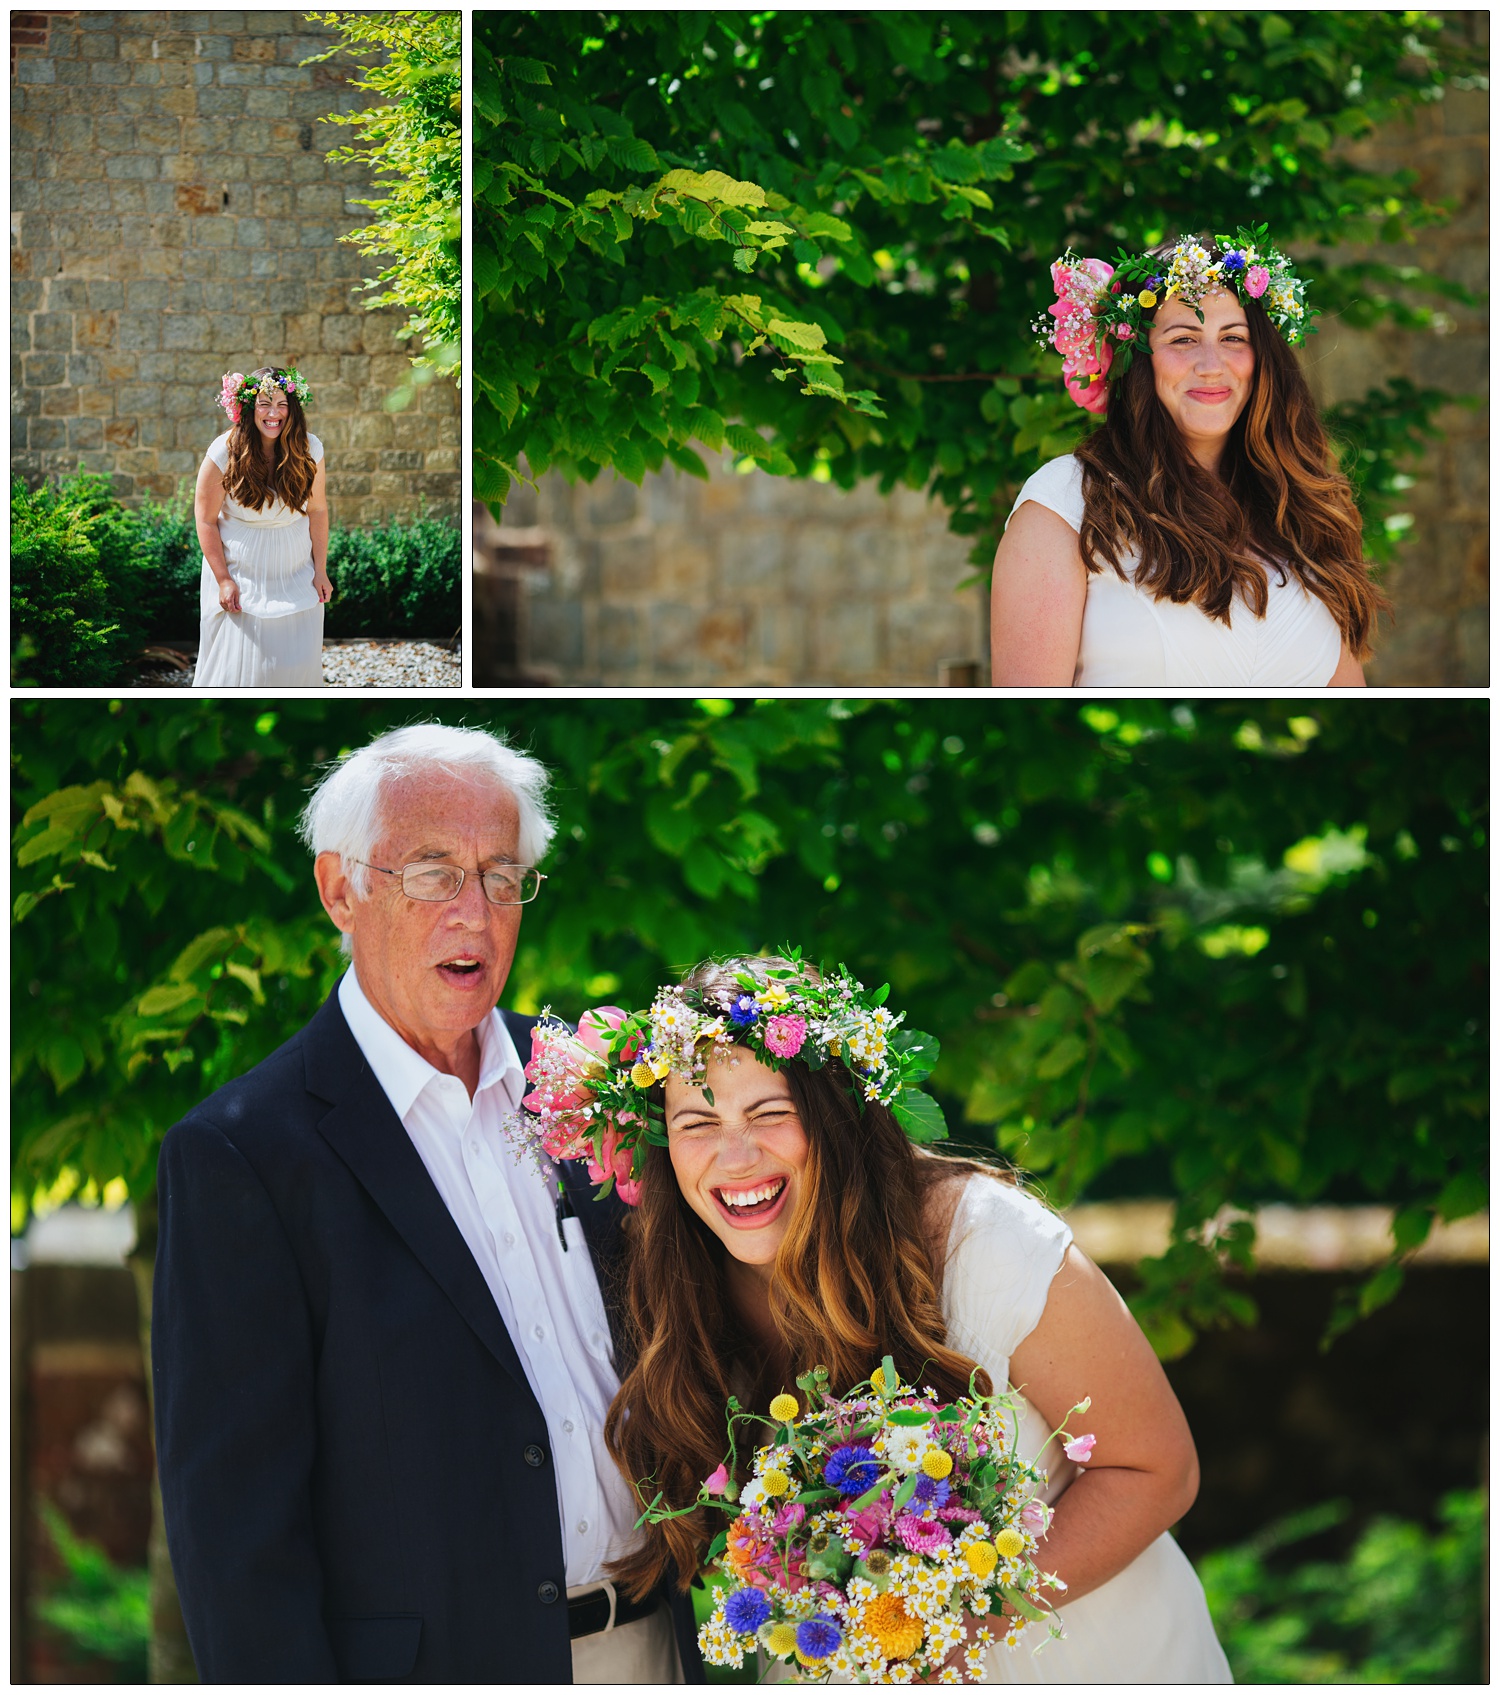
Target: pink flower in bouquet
x,y
1257,280
785,1034
717,1481
596,1030
619,1161
788,1518
870,1525
920,1535
1079,1448
1035,1517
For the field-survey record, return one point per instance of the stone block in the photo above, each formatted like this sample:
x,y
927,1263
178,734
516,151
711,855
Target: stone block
x,y
268,329
211,232
127,199
85,434
185,329
47,434
96,402
240,74
342,334
177,462
156,432
52,331
215,47
94,329
268,167
43,369
18,436
307,167
268,103
108,74
132,167
20,335
78,167
179,296
65,294
296,78
26,295
139,331
221,102
286,297
555,629
197,263
60,402
319,200
35,72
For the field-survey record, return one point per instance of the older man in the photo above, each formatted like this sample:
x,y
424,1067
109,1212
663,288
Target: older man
x,y
382,1361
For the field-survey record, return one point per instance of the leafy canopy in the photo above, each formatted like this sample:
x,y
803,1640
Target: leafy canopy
x,y
1231,952
412,140
818,239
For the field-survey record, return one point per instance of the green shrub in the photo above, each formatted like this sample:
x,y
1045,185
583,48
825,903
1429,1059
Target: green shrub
x,y
1405,1607
72,617
404,579
104,1612
92,581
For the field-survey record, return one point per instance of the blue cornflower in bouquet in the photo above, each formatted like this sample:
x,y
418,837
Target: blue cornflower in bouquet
x,y
746,1610
851,1469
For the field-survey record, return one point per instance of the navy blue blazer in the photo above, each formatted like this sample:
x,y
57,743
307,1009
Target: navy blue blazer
x,y
356,1477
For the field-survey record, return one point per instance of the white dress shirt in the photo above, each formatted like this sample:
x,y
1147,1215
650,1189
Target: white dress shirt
x,y
548,1297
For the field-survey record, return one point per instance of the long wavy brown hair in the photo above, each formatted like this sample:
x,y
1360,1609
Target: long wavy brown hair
x,y
858,1276
254,482
1279,497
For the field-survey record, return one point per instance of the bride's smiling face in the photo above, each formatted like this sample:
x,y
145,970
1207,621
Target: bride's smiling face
x,y
271,415
739,1158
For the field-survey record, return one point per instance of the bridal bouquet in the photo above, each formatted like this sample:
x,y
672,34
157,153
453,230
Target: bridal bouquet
x,y
868,1528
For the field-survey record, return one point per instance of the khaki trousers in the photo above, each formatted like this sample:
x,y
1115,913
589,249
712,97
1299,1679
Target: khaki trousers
x,y
642,1652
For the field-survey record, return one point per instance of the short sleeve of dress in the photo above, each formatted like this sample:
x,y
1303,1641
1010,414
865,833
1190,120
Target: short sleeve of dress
x,y
1059,487
315,447
218,451
1004,1249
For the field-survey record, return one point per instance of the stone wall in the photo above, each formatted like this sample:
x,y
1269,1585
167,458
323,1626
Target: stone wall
x,y
1440,581
743,580
174,215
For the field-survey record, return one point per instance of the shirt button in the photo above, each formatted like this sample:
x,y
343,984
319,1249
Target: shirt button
x,y
539,1333
547,1593
583,1527
510,1240
473,1147
568,1425
533,1455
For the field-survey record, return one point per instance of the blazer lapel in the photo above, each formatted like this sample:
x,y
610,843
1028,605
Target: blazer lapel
x,y
363,1129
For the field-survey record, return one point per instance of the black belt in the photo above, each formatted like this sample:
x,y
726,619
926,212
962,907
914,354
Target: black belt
x,y
588,1614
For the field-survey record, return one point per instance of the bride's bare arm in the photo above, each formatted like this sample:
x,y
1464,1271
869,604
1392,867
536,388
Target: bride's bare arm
x,y
1143,1474
1350,674
1036,601
208,499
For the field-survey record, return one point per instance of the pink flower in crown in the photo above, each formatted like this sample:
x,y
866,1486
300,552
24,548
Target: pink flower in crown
x,y
1083,376
228,392
619,1161
1123,332
562,1068
785,1034
1257,280
596,1030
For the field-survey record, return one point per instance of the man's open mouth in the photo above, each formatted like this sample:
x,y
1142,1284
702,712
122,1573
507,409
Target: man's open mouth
x,y
461,970
752,1204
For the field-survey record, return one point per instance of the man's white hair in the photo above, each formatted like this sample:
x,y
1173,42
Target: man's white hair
x,y
346,815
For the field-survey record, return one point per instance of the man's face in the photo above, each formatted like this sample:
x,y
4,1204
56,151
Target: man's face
x,y
432,969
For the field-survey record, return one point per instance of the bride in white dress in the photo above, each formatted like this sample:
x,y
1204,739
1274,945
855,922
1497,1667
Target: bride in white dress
x,y
262,513
945,1262
1201,537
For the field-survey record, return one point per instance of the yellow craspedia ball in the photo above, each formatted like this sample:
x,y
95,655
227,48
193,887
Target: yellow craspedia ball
x,y
936,1463
642,1075
775,1482
879,1384
981,1558
781,1639
785,1407
1009,1543
1146,298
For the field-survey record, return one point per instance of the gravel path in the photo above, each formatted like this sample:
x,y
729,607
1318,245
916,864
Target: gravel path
x,y
352,665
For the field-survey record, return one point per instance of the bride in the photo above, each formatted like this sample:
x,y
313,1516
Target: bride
x,y
1202,535
790,1223
262,514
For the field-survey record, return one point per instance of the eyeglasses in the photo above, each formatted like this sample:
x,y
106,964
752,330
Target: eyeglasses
x,y
505,885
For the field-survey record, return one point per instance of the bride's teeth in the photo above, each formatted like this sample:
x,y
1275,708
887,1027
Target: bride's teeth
x,y
752,1197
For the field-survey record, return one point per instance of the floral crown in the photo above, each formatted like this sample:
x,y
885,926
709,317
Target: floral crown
x,y
593,1094
237,390
1103,312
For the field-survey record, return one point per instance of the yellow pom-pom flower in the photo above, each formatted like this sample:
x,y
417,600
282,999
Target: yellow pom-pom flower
x,y
775,1482
785,1407
642,1075
781,1639
1009,1543
936,1464
896,1630
879,1384
981,1558
1146,298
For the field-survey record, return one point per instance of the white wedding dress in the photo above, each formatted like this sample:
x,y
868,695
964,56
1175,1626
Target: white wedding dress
x,y
1150,1622
1131,640
276,638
